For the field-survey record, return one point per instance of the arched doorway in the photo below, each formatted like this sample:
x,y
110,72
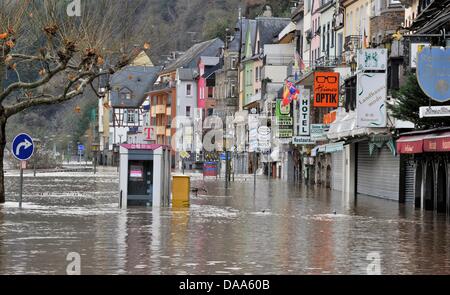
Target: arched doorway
x,y
429,187
441,198
418,186
328,176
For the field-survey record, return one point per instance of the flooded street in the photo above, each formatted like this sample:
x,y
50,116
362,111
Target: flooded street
x,y
282,229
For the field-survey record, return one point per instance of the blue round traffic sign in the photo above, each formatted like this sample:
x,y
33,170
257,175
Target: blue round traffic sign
x,y
22,147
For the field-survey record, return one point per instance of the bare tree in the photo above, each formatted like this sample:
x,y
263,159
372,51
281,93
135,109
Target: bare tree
x,y
48,57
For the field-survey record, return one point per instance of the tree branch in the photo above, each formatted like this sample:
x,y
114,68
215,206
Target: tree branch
x,y
51,99
25,57
32,85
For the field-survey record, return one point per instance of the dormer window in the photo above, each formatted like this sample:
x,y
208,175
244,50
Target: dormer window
x,y
125,94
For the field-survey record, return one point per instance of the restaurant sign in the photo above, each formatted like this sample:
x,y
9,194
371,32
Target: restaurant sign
x,y
434,111
302,140
433,72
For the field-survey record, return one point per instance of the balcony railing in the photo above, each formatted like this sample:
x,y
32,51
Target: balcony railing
x,y
278,60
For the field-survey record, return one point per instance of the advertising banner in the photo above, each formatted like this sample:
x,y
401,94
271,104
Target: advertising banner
x,y
371,100
326,89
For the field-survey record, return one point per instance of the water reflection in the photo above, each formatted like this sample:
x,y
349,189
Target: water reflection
x,y
282,229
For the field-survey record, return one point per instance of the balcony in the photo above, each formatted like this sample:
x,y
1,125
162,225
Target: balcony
x,y
231,102
278,60
160,109
160,130
353,42
330,62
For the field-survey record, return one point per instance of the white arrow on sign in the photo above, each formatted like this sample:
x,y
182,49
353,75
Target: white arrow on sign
x,y
25,144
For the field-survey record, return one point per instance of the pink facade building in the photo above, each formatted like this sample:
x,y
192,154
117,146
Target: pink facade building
x,y
205,65
316,32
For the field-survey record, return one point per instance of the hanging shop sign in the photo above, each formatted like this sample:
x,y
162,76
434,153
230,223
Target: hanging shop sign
x,y
284,120
433,72
304,112
414,51
338,19
329,118
371,100
253,124
319,132
372,59
434,111
326,89
264,138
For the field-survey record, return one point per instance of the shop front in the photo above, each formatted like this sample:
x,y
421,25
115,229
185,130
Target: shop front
x,y
429,150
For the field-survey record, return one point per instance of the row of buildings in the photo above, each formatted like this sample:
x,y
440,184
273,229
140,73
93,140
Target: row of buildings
x,y
345,57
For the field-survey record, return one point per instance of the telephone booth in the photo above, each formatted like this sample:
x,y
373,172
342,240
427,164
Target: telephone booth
x,y
144,175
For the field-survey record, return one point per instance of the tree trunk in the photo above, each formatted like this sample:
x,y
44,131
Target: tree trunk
x,y
2,134
2,151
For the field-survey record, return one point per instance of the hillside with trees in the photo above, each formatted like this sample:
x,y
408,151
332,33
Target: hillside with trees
x,y
168,25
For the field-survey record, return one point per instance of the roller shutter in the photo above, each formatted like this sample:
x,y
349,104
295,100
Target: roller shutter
x,y
410,181
378,174
337,169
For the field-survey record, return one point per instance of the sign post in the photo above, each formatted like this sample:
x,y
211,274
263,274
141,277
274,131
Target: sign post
x,y
22,148
184,155
80,152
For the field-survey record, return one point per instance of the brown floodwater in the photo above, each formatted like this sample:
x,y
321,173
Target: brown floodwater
x,y
283,228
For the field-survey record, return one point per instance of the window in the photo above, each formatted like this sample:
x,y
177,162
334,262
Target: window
x,y
130,116
332,38
188,111
189,89
328,37
125,93
233,90
234,63
257,74
324,36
